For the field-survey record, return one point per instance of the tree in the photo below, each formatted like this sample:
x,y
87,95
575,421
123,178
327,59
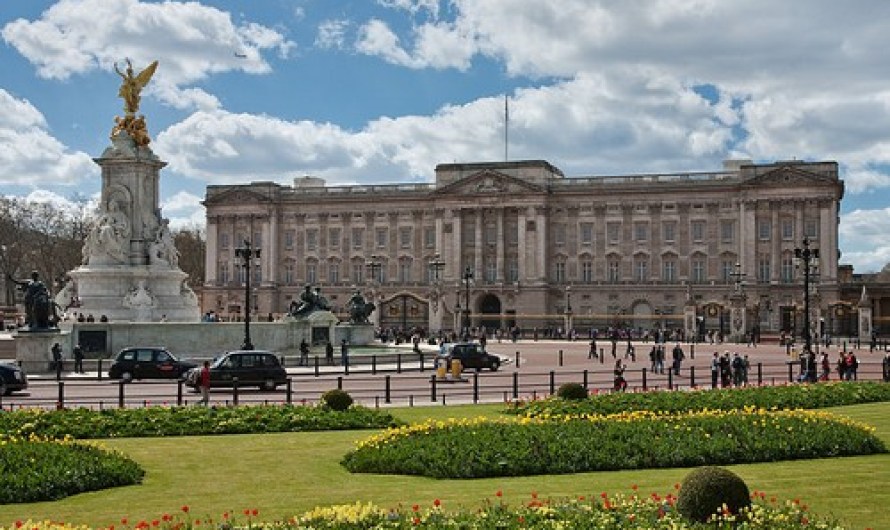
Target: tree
x,y
192,246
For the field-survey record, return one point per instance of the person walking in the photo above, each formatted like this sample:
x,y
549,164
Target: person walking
x,y
77,352
329,353
204,384
620,383
304,353
678,357
57,360
344,353
715,369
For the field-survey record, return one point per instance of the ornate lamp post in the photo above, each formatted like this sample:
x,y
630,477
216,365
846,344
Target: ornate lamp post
x,y
247,254
467,278
738,301
805,257
435,268
374,266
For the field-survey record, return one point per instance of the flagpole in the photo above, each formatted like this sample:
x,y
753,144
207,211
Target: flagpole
x,y
506,127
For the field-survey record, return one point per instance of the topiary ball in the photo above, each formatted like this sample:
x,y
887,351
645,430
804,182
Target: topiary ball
x,y
336,399
572,391
705,490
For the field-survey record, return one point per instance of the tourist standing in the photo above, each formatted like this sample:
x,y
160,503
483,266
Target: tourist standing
x,y
304,353
620,382
715,369
678,357
204,383
77,352
328,353
57,360
344,353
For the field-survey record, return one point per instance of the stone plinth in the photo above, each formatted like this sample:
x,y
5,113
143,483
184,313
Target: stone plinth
x,y
33,349
355,334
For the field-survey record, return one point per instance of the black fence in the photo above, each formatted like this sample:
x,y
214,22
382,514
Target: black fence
x,y
398,389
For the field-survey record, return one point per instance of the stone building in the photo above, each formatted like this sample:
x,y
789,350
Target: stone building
x,y
543,250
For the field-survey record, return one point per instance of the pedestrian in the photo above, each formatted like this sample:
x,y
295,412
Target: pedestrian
x,y
659,359
57,360
678,357
329,353
715,369
826,367
77,351
344,353
620,383
304,353
204,384
653,358
591,353
725,370
738,367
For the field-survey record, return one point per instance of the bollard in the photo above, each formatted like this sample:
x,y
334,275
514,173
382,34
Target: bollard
x,y
235,391
179,393
475,387
398,363
692,377
339,382
290,391
346,366
644,378
517,359
515,385
584,375
560,357
790,372
281,360
421,362
316,366
552,382
670,379
692,351
60,404
387,390
602,355
120,394
99,369
433,389
376,402
374,364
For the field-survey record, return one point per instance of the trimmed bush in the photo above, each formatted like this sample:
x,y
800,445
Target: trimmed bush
x,y
572,391
336,399
189,421
706,490
34,469
821,395
477,448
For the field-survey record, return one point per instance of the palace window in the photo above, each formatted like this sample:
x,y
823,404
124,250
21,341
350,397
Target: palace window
x,y
312,239
641,232
405,237
787,229
787,269
698,231
311,272
587,234
612,270
224,272
405,270
763,269
381,236
429,237
358,273
288,239
512,269
587,271
727,270
559,272
288,273
698,270
333,272
334,238
669,229
358,238
764,227
669,270
613,232
727,231
641,269
224,241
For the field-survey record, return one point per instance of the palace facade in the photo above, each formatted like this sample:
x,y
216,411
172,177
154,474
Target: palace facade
x,y
519,243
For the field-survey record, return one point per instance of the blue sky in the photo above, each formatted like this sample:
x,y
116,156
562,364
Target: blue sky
x,y
381,91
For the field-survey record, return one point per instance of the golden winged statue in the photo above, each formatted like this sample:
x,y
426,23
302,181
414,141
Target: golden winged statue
x,y
132,85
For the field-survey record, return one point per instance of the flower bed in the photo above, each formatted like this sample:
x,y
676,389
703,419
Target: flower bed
x,y
637,440
38,469
780,397
615,512
188,421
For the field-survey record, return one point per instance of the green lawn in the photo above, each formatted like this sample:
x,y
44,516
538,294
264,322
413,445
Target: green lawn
x,y
284,474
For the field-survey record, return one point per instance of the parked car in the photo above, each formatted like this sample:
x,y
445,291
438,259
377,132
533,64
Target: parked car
x,y
12,379
251,368
147,362
472,355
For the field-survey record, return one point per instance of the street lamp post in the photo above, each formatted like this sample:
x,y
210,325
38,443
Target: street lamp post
x,y
374,266
805,257
247,253
467,278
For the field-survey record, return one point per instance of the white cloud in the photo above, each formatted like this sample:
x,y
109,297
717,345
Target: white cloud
x,y
191,41
184,210
863,233
29,155
332,33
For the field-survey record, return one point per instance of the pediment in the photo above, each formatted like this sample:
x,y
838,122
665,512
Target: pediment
x,y
789,176
236,196
489,183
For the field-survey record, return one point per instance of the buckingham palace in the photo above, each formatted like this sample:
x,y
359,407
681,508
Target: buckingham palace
x,y
518,243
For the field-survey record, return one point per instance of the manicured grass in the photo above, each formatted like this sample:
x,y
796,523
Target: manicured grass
x,y
285,474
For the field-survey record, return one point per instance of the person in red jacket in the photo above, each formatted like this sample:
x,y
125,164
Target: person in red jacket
x,y
204,383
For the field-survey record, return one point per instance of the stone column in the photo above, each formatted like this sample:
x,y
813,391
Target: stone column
x,y
210,258
541,240
500,246
456,234
477,247
523,258
865,317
